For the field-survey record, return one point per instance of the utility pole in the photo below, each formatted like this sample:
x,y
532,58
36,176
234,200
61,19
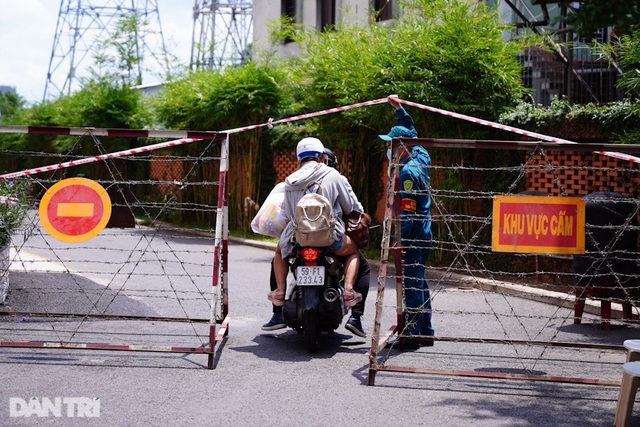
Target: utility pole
x,y
222,30
83,24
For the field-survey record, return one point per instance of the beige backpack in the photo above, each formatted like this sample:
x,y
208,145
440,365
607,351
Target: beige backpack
x,y
313,221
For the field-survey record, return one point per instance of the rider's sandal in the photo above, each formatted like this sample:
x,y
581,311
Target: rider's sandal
x,y
351,298
276,298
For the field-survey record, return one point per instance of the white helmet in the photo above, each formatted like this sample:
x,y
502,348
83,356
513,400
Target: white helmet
x,y
309,147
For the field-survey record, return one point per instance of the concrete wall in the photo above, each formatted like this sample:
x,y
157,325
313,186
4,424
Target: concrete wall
x,y
266,11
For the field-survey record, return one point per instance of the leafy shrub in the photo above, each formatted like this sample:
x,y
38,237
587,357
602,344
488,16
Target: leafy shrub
x,y
13,208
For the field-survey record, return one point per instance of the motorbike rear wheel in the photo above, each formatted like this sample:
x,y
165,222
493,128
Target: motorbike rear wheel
x,y
311,330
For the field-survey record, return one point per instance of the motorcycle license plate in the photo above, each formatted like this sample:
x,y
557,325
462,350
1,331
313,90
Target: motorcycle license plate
x,y
310,276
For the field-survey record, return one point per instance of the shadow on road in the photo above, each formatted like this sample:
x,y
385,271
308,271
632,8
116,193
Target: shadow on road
x,y
53,292
289,346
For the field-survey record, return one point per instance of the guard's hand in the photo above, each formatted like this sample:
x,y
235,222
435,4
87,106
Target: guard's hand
x,y
393,100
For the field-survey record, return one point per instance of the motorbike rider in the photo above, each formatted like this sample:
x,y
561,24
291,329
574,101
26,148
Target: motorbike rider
x,y
354,324
309,152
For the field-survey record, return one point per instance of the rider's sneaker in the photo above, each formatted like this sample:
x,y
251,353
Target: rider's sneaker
x,y
276,322
354,325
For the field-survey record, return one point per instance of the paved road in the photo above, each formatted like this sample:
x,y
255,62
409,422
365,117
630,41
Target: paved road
x,y
269,379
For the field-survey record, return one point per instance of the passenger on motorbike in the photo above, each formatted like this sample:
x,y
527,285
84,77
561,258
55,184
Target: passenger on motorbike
x,y
354,323
334,187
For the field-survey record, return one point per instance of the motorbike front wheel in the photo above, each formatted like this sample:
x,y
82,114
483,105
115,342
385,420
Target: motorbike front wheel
x,y
311,330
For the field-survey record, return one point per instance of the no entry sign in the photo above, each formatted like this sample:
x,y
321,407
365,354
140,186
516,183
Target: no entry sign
x,y
75,210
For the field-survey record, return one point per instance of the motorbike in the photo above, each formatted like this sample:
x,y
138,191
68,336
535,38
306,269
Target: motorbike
x,y
315,304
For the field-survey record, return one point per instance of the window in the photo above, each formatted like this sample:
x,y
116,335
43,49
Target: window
x,y
327,14
288,10
383,9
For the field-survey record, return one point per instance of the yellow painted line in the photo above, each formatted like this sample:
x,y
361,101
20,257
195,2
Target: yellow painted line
x,y
75,210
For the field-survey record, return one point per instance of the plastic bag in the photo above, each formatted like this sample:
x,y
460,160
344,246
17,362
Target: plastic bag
x,y
271,219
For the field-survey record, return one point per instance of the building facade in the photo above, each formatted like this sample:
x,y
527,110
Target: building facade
x,y
568,68
319,14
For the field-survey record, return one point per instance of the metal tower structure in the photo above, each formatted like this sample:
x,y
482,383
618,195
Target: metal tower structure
x,y
83,24
222,30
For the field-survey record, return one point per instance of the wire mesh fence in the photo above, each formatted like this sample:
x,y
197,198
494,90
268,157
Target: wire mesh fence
x,y
71,293
495,313
539,315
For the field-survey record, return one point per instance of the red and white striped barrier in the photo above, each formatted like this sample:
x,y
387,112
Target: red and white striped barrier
x,y
188,137
271,123
104,346
512,129
121,133
8,200
86,160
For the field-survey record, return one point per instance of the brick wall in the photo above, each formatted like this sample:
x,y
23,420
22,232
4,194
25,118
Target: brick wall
x,y
166,170
557,172
581,173
284,164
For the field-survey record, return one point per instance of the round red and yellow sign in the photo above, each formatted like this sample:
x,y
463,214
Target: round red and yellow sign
x,y
75,210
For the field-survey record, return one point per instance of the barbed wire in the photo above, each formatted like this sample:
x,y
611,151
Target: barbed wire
x,y
461,240
152,254
463,258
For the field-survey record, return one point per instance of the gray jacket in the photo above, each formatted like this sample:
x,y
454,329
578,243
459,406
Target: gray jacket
x,y
334,187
